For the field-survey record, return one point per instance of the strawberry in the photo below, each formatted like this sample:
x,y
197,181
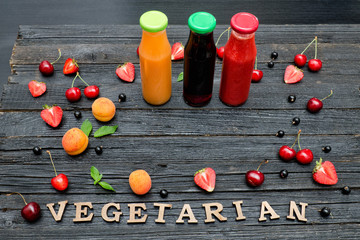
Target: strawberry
x,y
70,66
126,72
325,173
205,178
293,74
177,51
52,115
36,88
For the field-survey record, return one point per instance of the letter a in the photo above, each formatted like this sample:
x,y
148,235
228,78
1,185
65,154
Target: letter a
x,y
186,212
269,210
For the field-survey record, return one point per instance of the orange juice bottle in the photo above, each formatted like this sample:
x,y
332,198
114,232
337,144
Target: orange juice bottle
x,y
155,58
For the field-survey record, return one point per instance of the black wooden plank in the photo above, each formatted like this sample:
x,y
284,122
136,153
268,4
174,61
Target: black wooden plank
x,y
192,122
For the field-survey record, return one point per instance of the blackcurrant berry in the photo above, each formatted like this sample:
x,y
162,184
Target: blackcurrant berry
x,y
346,190
98,149
270,64
77,114
325,212
284,173
326,149
280,133
291,98
163,193
37,150
296,121
274,55
122,97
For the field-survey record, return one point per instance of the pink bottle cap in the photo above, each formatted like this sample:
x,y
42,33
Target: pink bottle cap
x,y
244,22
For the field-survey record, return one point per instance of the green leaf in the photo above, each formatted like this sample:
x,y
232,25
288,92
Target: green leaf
x,y
98,180
86,127
105,130
106,186
95,174
180,77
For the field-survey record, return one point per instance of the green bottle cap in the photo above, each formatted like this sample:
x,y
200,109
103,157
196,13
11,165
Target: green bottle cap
x,y
153,21
202,22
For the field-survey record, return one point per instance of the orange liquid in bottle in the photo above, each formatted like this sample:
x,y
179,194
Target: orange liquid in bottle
x,y
155,67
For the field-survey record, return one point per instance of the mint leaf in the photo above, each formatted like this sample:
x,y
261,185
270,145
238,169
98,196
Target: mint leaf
x,y
98,180
86,127
106,186
95,174
105,130
180,77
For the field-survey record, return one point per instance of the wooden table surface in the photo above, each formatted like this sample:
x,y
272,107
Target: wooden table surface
x,y
173,141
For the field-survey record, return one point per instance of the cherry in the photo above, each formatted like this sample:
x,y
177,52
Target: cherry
x,y
287,153
77,114
47,68
91,91
315,64
257,74
163,193
346,190
122,97
326,149
98,149
59,182
31,212
220,50
280,133
300,59
37,150
314,105
137,51
73,94
325,212
255,178
304,156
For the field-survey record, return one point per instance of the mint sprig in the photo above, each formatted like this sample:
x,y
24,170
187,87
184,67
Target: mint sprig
x,y
180,77
105,130
95,174
86,127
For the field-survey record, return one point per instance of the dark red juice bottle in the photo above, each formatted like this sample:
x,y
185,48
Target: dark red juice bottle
x,y
199,60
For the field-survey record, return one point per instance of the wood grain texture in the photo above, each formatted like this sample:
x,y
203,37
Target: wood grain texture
x,y
173,141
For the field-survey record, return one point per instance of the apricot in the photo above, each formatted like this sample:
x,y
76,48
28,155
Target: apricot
x,y
103,109
140,182
75,141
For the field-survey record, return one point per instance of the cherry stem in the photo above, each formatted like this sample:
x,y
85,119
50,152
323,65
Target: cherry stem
x,y
78,75
227,30
331,93
255,64
297,138
18,194
58,57
309,45
265,161
52,162
315,47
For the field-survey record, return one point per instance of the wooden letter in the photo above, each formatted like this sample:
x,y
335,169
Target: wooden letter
x,y
80,211
269,210
60,213
216,212
293,208
116,217
186,212
133,213
240,215
162,207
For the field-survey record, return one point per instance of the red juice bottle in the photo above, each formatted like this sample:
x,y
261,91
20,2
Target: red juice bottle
x,y
238,61
199,60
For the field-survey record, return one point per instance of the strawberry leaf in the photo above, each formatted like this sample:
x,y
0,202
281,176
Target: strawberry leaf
x,y
86,127
106,186
105,130
180,77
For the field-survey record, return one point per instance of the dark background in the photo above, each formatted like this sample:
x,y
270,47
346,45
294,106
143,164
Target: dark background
x,y
49,12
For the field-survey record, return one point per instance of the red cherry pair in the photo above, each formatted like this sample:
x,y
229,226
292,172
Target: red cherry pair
x,y
303,156
73,94
301,59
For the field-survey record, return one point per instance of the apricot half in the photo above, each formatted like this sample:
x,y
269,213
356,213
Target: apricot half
x,y
103,109
75,141
140,182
